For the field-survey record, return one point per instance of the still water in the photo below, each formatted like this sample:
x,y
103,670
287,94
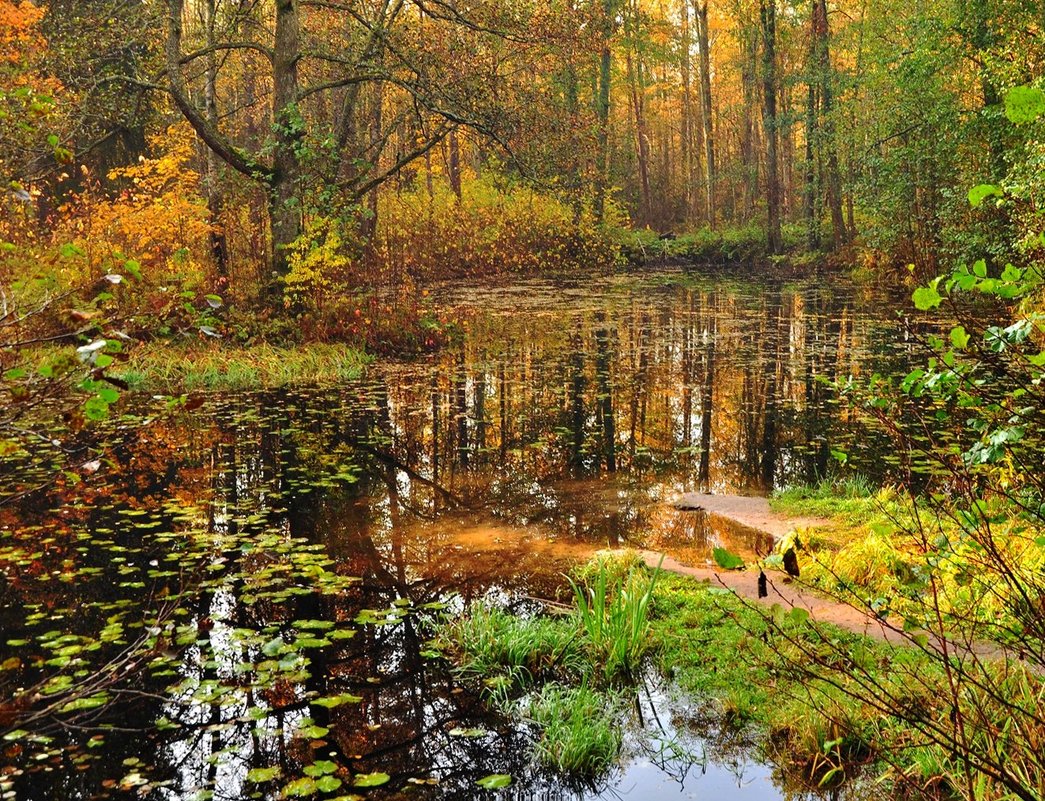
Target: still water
x,y
239,603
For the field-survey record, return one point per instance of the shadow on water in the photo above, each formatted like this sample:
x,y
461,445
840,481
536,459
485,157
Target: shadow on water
x,y
247,590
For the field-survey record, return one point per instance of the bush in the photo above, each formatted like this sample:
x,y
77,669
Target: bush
x,y
492,229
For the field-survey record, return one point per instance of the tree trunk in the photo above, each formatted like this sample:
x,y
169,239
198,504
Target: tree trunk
x,y
602,180
821,33
641,141
453,167
812,217
215,195
284,202
770,122
749,145
687,118
704,46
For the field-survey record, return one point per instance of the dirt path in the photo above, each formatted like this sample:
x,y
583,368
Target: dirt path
x,y
789,594
751,512
755,513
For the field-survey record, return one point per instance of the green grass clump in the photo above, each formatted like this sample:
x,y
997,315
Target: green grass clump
x,y
613,611
173,370
849,501
581,728
491,643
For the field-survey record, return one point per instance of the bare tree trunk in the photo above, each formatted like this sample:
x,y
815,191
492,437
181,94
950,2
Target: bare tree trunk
x,y
641,140
602,180
812,217
749,145
284,202
704,46
453,167
771,123
687,118
215,195
823,65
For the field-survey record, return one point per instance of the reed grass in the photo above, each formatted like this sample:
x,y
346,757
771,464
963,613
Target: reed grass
x,y
581,728
174,370
613,613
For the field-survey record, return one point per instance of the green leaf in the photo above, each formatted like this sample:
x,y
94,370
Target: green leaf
x,y
959,337
927,297
300,787
95,409
259,775
1024,104
494,781
370,779
726,559
980,193
328,783
320,768
337,700
459,732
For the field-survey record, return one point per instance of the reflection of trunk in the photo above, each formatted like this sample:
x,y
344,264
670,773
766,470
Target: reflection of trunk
x,y
502,395
687,378
435,430
605,387
707,399
461,412
577,403
706,110
480,415
771,123
775,316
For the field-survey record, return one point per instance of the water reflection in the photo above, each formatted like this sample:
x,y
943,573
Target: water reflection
x,y
564,422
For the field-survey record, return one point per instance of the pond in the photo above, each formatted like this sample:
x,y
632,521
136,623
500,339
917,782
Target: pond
x,y
237,601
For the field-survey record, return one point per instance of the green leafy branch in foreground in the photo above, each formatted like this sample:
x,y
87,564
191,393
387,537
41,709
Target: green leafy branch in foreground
x,y
969,427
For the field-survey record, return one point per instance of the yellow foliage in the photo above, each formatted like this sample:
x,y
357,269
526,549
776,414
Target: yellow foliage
x,y
488,230
159,218
318,260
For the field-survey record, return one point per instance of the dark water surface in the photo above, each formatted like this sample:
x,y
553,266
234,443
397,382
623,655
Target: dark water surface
x,y
238,603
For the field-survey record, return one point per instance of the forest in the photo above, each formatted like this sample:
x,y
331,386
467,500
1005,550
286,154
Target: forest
x,y
522,399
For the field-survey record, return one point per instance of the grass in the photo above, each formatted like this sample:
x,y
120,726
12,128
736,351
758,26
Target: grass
x,y
577,664
825,704
716,646
822,703
742,244
581,731
514,652
613,612
173,370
